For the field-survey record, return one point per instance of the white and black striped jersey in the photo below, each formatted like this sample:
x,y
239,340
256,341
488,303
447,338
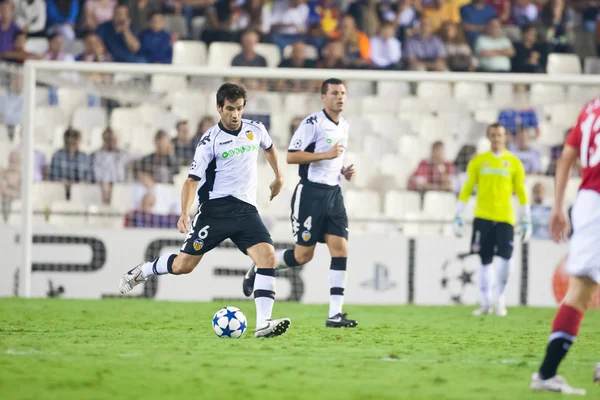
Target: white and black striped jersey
x,y
225,161
317,134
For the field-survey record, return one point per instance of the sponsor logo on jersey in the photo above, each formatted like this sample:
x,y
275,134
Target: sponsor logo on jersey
x,y
238,150
306,236
329,140
381,279
249,135
311,120
198,244
227,142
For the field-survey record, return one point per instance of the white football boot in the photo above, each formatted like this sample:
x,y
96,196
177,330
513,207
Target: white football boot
x,y
131,279
500,307
272,328
556,384
482,310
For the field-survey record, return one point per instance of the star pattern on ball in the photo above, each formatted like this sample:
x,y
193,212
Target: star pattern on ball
x,y
242,326
230,315
226,331
215,320
466,277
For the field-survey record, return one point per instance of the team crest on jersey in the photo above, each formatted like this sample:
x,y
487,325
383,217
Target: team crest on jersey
x,y
249,135
198,244
194,165
306,236
505,163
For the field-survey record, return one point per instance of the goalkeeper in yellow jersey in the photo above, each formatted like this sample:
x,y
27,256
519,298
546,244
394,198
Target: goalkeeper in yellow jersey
x,y
498,174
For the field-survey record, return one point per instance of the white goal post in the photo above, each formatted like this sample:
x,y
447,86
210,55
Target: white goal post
x,y
33,70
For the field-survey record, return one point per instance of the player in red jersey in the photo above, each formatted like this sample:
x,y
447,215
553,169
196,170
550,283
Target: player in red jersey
x,y
583,265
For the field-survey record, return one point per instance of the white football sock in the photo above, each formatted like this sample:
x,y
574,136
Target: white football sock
x,y
160,266
264,294
280,264
502,273
485,283
337,284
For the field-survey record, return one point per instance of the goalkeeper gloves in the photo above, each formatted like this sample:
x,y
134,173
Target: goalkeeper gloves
x,y
525,224
457,225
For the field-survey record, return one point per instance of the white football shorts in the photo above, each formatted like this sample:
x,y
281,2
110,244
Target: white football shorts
x,y
584,247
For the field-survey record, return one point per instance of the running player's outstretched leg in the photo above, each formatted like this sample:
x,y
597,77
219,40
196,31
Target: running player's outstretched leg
x,y
564,331
168,263
263,256
338,248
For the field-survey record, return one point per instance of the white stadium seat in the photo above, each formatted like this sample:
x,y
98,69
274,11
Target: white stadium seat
x,y
414,104
189,52
46,120
36,45
388,168
124,119
198,24
220,54
502,93
470,91
563,114
142,141
263,103
398,204
70,99
559,64
176,24
551,135
393,89
15,216
86,119
102,216
362,204
167,83
45,193
432,129
270,52
546,93
295,104
427,90
86,193
378,105
311,52
487,115
441,205
359,88
67,213
576,93
122,197
592,65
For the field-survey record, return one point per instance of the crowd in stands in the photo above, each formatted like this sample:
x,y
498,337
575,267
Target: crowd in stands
x,y
432,35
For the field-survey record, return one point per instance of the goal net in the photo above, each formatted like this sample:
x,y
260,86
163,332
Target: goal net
x,y
94,155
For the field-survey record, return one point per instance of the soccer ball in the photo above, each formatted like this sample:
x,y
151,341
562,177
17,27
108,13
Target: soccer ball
x,y
229,322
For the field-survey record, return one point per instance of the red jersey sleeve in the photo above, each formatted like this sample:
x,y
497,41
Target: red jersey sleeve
x,y
574,137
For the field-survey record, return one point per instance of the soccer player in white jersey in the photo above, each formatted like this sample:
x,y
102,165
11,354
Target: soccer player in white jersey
x,y
583,265
318,211
225,165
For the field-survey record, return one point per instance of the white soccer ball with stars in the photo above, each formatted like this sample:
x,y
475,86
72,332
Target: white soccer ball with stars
x,y
229,322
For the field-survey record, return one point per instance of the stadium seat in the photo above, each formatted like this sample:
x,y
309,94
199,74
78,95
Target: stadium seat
x,y
167,83
102,216
359,88
487,115
378,105
58,137
441,205
95,139
411,104
311,52
142,141
551,135
280,130
46,120
86,119
502,93
42,97
397,204
176,24
189,52
67,213
295,104
45,193
36,45
591,66
427,90
74,47
86,193
69,99
388,126
263,103
198,24
546,93
563,114
576,93
393,89
220,54
15,216
122,197
270,52
124,119
362,204
470,91
563,64
483,145
432,129
389,170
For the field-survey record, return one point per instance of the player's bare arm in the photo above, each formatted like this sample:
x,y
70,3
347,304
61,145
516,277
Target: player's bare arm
x,y
349,172
273,160
305,157
559,221
190,186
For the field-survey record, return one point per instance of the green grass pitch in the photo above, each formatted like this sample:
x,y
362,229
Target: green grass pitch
x,y
138,349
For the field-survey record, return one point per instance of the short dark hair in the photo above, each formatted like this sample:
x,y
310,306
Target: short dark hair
x,y
53,36
179,123
495,125
330,81
437,144
528,26
161,134
155,13
231,92
72,133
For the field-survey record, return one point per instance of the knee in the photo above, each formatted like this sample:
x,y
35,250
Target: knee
x,y
269,260
182,266
303,256
339,250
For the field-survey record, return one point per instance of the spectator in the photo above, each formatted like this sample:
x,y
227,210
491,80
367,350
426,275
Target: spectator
x,y
528,54
516,119
256,15
333,56
97,12
289,17
475,18
62,16
8,27
298,57
327,13
118,38
530,157
55,49
222,22
366,14
540,213
434,173
160,166
465,155
30,15
555,154
588,37
524,13
405,16
502,9
357,49
425,51
140,12
11,104
458,52
108,164
386,50
183,147
205,124
557,26
156,45
145,217
18,54
10,183
494,49
69,164
440,11
93,49
248,57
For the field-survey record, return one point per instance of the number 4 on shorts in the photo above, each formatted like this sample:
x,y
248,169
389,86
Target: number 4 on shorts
x,y
308,223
